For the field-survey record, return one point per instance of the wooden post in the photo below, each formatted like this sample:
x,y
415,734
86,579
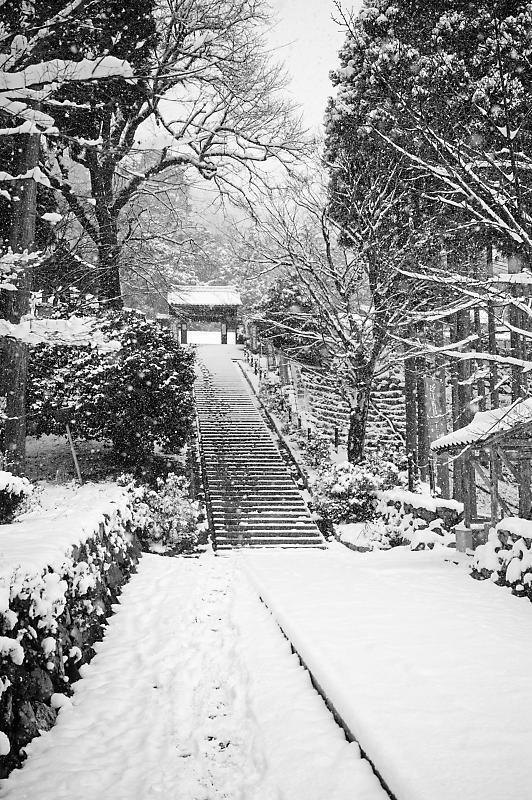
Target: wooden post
x,y
73,451
467,490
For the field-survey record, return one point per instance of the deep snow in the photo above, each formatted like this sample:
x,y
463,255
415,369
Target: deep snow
x,y
194,694
429,669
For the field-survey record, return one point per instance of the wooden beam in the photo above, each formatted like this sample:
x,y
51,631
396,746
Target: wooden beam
x,y
512,470
466,490
495,494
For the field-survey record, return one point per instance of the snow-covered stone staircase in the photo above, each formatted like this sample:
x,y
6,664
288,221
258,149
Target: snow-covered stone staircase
x,y
252,496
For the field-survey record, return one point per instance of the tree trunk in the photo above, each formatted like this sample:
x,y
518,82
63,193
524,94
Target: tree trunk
x,y
436,396
109,287
492,337
15,353
411,421
422,423
358,418
102,174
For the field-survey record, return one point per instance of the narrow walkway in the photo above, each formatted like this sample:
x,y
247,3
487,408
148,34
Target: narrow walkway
x,y
194,694
253,498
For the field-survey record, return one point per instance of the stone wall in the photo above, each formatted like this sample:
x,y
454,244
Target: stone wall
x,y
386,417
420,520
49,622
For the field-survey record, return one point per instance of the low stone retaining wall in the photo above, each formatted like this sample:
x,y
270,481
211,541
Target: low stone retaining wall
x,y
419,519
51,614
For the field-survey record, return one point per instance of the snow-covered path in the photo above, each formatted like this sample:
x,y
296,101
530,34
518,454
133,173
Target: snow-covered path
x,y
429,669
194,694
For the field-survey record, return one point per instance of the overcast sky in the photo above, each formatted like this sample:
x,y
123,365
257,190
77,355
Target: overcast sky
x,y
308,42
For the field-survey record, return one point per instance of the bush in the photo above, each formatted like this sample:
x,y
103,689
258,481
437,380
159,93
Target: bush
x,y
13,491
271,395
345,493
316,450
139,397
390,470
165,518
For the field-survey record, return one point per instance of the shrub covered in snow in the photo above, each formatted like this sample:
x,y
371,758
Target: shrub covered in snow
x,y
13,491
348,492
506,558
315,450
271,395
139,397
165,517
345,493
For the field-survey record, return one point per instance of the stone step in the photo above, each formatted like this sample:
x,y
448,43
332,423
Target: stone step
x,y
271,523
254,500
218,506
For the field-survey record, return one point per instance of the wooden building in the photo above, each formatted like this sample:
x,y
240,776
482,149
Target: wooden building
x,y
495,455
204,314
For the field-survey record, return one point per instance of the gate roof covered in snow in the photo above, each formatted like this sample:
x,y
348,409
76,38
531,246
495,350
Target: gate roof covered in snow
x,y
204,295
487,427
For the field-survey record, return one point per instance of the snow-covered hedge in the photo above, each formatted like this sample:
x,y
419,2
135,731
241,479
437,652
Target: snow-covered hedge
x,y
506,558
59,578
13,490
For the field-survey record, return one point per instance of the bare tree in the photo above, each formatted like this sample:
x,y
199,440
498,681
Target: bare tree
x,y
356,295
209,100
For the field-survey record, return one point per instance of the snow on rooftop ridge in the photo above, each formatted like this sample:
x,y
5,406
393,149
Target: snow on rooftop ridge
x,y
204,295
523,278
485,424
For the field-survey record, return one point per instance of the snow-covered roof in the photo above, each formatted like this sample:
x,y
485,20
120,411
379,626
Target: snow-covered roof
x,y
523,278
204,295
485,425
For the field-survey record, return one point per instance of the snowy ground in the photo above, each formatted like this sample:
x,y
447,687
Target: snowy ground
x,y
429,669
58,516
49,458
195,695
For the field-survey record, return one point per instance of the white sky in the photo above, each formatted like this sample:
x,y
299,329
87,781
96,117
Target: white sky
x,y
308,42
